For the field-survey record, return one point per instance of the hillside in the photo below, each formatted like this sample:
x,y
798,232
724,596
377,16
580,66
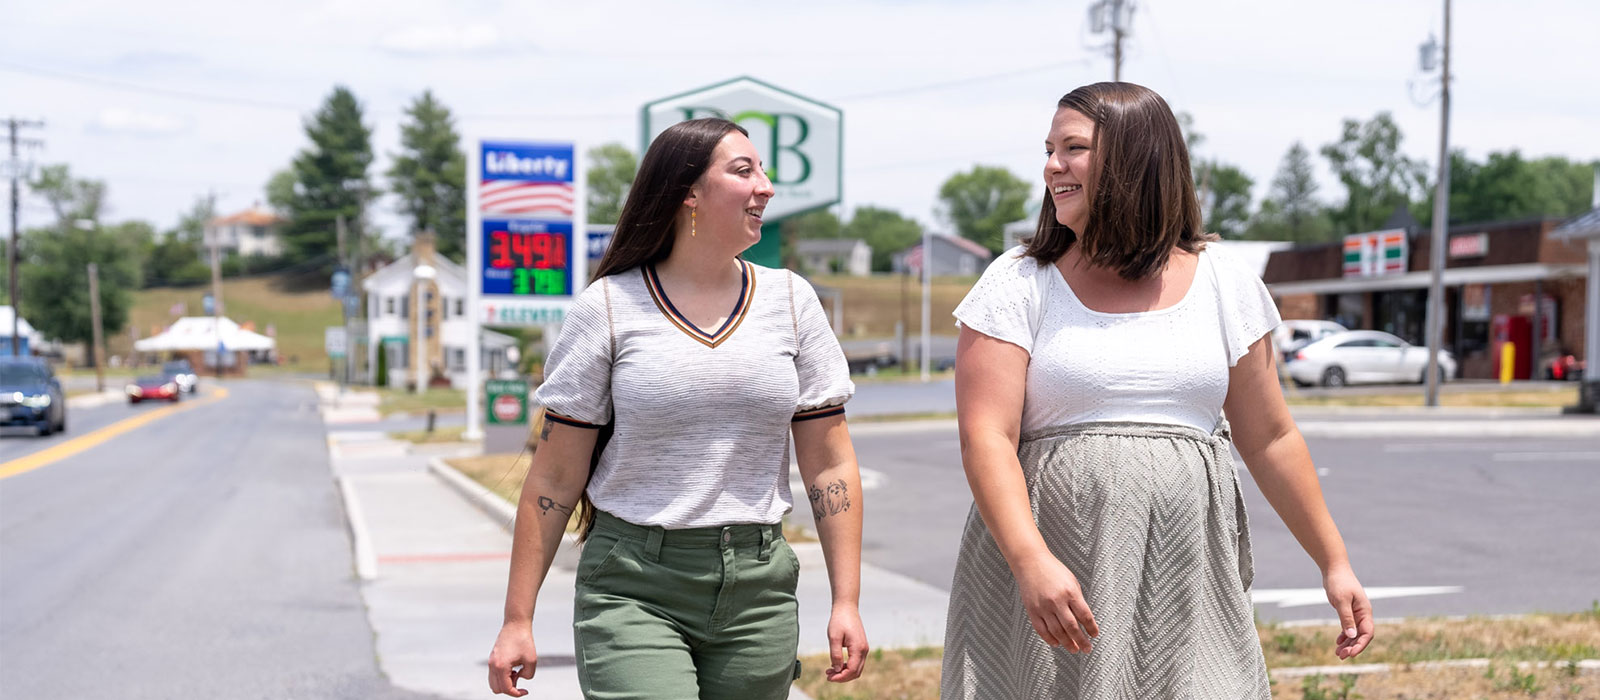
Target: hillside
x,y
296,308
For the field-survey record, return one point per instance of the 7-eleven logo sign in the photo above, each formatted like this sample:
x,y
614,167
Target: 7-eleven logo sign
x,y
1376,253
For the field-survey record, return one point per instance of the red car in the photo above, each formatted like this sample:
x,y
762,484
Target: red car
x,y
153,388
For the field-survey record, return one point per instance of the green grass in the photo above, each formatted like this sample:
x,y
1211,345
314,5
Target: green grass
x,y
422,437
297,308
392,400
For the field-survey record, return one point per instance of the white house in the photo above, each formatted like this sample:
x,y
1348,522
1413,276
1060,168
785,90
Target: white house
x,y
828,256
254,231
394,294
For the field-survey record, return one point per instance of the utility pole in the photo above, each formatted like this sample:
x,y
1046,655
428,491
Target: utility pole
x,y
1115,16
17,169
344,307
1441,218
216,279
927,299
94,315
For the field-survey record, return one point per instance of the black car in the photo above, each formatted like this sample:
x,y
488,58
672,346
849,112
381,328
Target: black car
x,y
30,396
181,372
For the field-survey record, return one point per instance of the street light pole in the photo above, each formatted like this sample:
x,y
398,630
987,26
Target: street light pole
x,y
1441,226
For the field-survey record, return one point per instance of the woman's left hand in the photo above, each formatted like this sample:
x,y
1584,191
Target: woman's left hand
x,y
847,644
1349,599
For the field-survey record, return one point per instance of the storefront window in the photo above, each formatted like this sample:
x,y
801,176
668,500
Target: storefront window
x,y
1401,313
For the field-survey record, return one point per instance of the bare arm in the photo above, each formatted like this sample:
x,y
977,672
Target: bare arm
x,y
1281,465
832,480
549,494
991,380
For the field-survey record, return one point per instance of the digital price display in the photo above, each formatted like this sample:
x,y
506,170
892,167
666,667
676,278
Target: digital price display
x,y
527,258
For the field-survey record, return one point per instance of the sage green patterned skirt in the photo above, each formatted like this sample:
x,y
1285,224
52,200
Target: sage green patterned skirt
x,y
1151,520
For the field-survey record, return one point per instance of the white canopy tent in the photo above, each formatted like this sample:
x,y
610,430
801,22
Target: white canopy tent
x,y
203,333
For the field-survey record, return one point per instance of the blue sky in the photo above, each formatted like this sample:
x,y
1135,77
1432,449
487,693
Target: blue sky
x,y
168,100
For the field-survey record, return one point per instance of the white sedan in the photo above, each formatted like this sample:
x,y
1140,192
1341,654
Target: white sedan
x,y
1356,357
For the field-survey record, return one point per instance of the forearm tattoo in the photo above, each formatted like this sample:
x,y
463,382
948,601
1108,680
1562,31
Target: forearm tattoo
x,y
546,504
828,499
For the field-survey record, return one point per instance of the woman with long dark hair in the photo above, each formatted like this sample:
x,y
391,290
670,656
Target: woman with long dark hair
x,y
1107,553
670,398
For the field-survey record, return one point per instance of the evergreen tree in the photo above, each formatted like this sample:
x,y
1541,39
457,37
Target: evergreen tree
x,y
429,175
330,177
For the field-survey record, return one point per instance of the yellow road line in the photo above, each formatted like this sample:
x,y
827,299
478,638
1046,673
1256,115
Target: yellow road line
x,y
84,442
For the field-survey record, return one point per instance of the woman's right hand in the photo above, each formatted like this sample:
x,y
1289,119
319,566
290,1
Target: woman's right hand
x,y
513,657
1055,603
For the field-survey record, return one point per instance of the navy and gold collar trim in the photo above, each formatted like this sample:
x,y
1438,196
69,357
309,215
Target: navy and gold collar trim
x,y
741,309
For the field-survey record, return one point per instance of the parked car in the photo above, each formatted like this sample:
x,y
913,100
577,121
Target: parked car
x,y
1357,357
154,387
31,396
1296,333
181,372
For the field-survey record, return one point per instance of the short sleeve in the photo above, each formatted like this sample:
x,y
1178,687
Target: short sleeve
x,y
577,385
1246,308
819,361
1001,304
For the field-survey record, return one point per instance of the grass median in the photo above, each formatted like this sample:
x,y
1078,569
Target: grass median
x,y
1484,398
396,400
1554,644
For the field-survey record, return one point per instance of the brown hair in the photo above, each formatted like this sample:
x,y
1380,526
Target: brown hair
x,y
1141,192
674,162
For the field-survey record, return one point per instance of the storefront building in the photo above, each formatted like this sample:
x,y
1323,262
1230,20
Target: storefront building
x,y
1504,282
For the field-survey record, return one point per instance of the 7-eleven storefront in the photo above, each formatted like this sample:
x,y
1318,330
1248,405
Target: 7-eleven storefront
x,y
1504,282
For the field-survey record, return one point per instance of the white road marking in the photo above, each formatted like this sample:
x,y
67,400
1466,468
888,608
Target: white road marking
x,y
1299,597
1591,457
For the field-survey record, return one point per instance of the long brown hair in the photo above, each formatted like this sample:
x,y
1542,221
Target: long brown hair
x,y
1140,192
644,233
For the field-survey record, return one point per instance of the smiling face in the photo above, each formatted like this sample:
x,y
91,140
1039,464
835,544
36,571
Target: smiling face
x,y
731,196
1068,167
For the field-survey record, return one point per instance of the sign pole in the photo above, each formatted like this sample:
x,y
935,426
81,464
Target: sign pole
x,y
474,430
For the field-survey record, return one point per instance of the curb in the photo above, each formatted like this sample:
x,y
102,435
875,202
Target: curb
x,y
502,513
1585,666
360,540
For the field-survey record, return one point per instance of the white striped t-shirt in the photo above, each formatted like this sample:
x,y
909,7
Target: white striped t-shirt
x,y
702,416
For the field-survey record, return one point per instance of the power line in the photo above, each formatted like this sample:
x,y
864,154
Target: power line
x,y
961,81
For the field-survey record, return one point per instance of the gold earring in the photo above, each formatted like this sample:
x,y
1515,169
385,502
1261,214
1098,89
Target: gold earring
x,y
691,222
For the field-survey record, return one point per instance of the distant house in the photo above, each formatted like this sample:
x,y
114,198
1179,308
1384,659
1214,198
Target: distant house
x,y
254,231
827,256
953,256
395,293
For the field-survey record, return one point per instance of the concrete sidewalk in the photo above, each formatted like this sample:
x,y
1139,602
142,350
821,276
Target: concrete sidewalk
x,y
432,549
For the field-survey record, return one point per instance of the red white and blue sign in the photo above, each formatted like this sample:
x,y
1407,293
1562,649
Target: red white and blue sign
x,y
526,179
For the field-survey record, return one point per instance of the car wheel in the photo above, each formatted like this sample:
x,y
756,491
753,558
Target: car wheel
x,y
1333,377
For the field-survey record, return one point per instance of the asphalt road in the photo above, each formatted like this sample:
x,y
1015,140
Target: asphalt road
x,y
201,555
1512,523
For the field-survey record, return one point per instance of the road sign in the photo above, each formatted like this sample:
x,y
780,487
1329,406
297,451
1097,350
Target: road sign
x,y
340,283
208,304
334,341
508,401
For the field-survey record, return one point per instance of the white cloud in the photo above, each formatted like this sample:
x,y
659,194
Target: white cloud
x,y
429,39
121,120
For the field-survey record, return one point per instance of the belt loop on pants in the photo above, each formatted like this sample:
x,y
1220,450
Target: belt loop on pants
x,y
766,545
652,544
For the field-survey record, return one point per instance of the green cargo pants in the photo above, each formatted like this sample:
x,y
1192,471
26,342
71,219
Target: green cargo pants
x,y
704,613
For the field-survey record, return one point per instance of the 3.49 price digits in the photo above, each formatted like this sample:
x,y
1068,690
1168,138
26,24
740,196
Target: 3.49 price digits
x,y
518,251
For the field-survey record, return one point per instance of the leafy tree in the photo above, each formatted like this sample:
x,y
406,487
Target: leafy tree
x,y
1507,186
429,175
820,223
70,198
886,231
281,192
1376,175
178,257
612,168
54,277
330,177
1291,211
1227,202
981,202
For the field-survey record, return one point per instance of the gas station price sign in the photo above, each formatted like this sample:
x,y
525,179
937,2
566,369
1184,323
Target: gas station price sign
x,y
523,257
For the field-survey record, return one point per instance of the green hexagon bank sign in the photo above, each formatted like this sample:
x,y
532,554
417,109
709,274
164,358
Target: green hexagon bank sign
x,y
800,140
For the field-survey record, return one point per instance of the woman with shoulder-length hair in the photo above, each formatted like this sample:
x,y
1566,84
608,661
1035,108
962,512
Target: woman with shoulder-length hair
x,y
700,366
1107,554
